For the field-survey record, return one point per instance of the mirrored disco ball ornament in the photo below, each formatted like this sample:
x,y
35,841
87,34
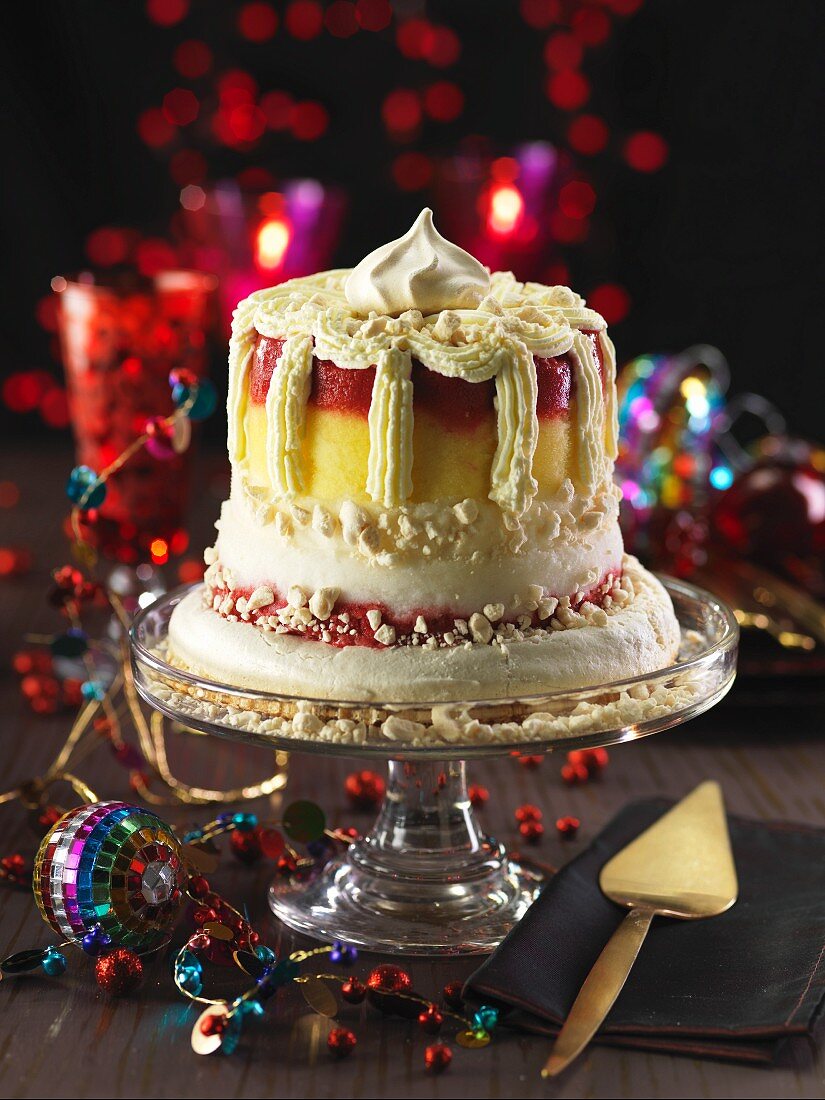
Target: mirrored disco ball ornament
x,y
110,865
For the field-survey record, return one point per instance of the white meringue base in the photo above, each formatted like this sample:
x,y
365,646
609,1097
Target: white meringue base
x,y
639,639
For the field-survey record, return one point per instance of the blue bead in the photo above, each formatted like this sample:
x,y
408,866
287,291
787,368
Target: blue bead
x,y
92,689
266,955
251,1008
486,1018
224,819
54,963
196,834
82,481
205,398
244,823
342,953
190,979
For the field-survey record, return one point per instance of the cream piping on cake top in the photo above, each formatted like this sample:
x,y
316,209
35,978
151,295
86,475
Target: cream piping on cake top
x,y
496,339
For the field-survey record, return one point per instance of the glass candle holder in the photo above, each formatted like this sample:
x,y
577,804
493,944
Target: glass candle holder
x,y
120,339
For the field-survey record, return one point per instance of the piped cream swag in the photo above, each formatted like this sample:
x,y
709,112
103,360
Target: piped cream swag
x,y
496,339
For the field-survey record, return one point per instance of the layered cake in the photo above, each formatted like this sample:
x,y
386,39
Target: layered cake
x,y
422,504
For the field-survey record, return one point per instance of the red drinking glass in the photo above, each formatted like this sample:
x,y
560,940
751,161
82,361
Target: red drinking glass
x,y
120,340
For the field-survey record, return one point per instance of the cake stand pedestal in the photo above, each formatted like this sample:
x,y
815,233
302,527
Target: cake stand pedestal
x,y
426,880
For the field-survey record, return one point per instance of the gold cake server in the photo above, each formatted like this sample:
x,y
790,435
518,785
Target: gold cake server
x,y
682,866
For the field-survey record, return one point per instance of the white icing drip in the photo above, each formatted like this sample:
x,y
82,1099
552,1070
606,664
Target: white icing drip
x,y
286,415
611,413
513,486
421,270
389,472
590,427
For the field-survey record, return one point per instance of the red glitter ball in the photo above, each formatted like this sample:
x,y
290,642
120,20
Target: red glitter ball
x,y
568,89
341,1042
431,1020
304,19
528,812
383,983
257,21
353,991
245,846
437,1057
478,795
588,134
364,789
645,151
567,827
119,972
531,831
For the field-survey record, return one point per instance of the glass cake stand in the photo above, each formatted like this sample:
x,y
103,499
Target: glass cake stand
x,y
425,879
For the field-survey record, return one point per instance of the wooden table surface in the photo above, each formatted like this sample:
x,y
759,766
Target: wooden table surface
x,y
63,1037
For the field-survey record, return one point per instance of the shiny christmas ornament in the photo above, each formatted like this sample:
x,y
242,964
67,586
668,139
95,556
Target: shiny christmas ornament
x,y
383,985
200,399
246,846
437,1057
113,867
567,827
54,962
341,1042
431,1020
121,971
353,991
161,435
486,1018
84,489
364,789
452,995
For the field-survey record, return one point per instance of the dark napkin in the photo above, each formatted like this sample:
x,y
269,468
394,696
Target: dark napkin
x,y
731,987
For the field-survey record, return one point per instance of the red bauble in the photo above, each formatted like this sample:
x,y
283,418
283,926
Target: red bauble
x,y
574,773
160,434
431,1020
353,991
384,983
530,762
478,795
364,789
121,971
437,1057
528,812
775,511
341,1042
452,995
246,846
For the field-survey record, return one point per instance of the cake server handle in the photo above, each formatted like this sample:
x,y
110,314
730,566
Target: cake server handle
x,y
601,988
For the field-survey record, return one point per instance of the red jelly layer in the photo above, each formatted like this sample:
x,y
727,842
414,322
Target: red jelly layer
x,y
458,403
357,629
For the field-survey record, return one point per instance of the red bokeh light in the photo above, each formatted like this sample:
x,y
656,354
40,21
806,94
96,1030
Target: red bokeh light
x,y
412,171
645,151
54,408
154,128
308,120
401,111
505,169
562,51
611,300
340,19
444,47
587,134
443,101
24,390
276,107
193,59
625,7
540,13
568,89
159,551
257,21
154,255
9,494
236,87
577,199
414,38
245,124
373,15
107,246
190,570
46,313
590,25
166,12
505,209
188,166
271,242
180,106
304,19
567,230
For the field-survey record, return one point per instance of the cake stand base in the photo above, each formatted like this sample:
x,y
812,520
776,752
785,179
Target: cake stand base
x,y
424,881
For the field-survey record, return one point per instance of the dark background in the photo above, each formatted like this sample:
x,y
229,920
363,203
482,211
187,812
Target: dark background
x,y
723,244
